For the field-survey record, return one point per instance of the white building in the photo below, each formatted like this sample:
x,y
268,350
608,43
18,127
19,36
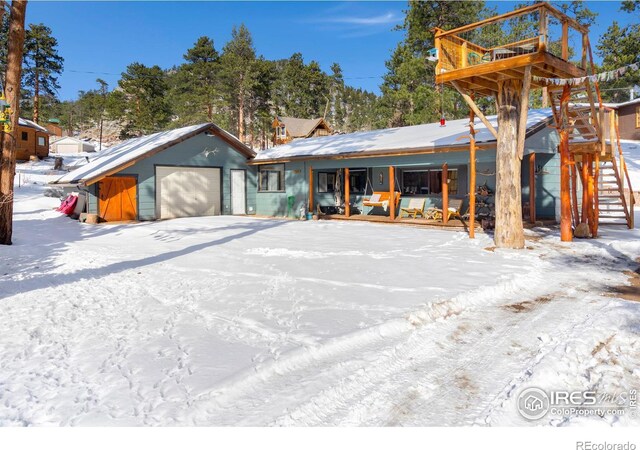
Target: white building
x,y
70,146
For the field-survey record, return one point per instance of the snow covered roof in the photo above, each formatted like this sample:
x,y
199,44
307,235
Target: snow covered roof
x,y
403,139
115,158
31,124
630,102
72,139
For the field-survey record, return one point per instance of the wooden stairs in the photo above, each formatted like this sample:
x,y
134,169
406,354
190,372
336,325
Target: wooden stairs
x,y
594,129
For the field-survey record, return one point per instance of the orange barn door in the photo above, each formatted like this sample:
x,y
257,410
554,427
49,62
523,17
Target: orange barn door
x,y
117,200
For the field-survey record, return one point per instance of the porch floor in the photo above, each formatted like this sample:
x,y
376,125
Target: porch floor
x,y
451,224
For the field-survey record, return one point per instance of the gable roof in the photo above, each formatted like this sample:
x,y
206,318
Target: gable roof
x,y
31,124
413,139
73,139
300,128
129,152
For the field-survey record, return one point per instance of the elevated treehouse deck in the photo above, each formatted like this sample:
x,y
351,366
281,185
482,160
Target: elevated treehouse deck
x,y
477,56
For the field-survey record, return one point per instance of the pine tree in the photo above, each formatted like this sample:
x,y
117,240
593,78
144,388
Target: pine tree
x,y
195,85
146,109
618,47
238,73
42,63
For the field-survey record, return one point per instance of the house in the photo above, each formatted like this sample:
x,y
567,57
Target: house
x,y
411,159
629,119
71,146
53,125
286,129
31,140
199,170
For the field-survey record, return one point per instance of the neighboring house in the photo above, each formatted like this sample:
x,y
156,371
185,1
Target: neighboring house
x,y
53,125
199,170
629,119
71,146
31,140
286,129
417,154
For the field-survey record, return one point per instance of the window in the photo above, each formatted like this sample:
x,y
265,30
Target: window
x,y
25,136
637,116
357,181
281,131
425,182
326,182
42,141
271,178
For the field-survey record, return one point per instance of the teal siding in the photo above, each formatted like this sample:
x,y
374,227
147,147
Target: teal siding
x,y
547,185
198,151
276,203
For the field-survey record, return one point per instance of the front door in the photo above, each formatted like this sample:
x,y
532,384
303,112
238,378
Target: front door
x,y
117,199
238,192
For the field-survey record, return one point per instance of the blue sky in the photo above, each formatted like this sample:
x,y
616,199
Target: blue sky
x,y
99,39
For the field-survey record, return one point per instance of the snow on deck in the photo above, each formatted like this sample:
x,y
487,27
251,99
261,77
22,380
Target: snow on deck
x,y
631,152
244,321
415,137
125,152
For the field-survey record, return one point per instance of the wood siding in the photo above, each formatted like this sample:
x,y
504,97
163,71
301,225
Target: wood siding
x,y
628,117
26,148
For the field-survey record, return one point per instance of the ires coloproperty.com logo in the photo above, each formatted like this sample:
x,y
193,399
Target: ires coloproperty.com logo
x,y
534,403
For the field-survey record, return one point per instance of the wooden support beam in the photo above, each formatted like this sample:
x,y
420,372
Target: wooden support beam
x,y
566,233
584,177
542,32
347,192
532,188
524,110
472,104
311,210
590,196
472,176
445,193
392,193
565,40
596,198
574,191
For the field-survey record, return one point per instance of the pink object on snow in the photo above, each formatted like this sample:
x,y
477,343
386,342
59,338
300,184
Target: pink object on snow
x,y
68,204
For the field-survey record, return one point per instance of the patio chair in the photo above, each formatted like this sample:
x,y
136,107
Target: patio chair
x,y
415,208
455,205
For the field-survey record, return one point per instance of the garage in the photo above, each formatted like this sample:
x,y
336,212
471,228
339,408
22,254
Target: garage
x,y
188,191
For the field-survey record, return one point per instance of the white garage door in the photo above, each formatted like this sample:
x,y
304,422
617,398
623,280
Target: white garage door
x,y
187,192
67,149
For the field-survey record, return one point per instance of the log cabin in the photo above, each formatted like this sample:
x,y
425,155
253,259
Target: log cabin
x,y
31,140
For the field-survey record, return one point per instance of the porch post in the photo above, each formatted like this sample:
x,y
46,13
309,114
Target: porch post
x,y
445,193
392,193
347,193
311,210
472,176
532,187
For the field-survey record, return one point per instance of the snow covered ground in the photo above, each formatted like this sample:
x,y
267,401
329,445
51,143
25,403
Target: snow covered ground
x,y
245,321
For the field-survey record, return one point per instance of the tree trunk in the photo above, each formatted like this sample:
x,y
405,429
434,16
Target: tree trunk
x,y
509,232
36,97
241,116
12,86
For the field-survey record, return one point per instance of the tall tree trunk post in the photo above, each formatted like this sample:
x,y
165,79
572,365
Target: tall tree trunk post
x,y
509,232
36,96
12,92
566,233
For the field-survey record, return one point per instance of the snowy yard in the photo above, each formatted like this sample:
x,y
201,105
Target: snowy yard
x,y
243,321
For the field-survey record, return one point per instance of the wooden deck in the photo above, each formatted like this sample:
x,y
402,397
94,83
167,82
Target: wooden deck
x,y
453,224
